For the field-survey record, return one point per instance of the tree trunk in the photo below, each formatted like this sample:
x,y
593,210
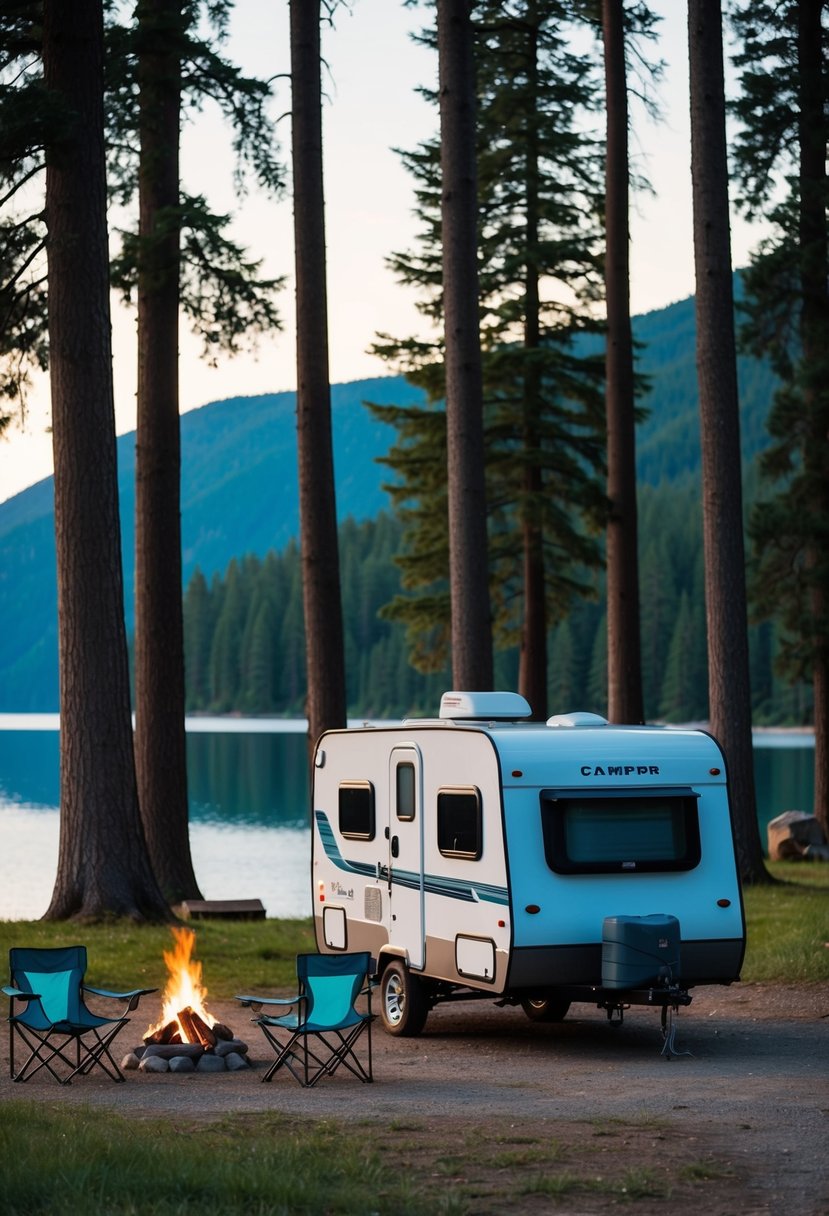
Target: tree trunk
x,y
325,659
103,864
160,742
725,587
814,328
532,669
468,570
624,664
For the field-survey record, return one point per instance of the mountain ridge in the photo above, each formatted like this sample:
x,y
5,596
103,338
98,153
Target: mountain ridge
x,y
239,489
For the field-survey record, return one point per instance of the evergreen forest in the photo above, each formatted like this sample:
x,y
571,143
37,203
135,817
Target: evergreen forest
x,y
244,635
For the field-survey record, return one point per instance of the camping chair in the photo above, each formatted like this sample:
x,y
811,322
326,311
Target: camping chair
x,y
322,1031
48,986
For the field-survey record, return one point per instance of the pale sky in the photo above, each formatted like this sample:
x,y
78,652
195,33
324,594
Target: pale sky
x,y
373,72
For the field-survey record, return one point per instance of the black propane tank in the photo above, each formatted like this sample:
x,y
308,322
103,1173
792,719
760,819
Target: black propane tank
x,y
640,951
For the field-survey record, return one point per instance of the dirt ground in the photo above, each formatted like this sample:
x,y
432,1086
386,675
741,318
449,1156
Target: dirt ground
x,y
502,1111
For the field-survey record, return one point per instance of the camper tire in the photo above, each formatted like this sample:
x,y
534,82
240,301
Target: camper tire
x,y
402,1001
545,1008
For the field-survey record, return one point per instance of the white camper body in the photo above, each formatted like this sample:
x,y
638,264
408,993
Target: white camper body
x,y
480,854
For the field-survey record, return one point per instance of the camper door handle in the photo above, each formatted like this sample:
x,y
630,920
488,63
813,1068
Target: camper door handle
x,y
382,871
395,847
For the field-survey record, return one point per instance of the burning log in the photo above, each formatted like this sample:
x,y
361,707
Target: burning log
x,y
195,1028
169,1033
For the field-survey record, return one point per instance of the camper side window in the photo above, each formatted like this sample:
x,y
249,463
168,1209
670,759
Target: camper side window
x,y
356,807
620,832
459,823
405,790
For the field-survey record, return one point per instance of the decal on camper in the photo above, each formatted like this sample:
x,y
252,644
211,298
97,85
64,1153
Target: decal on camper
x,y
433,884
619,770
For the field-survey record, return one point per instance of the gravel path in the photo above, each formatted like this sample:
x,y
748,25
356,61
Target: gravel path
x,y
756,1086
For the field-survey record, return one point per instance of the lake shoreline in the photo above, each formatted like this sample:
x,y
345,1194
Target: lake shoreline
x,y
265,724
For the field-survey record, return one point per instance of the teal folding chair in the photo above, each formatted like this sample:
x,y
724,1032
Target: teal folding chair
x,y
48,1014
323,1031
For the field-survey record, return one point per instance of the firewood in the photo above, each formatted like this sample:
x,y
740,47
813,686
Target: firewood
x,y
206,1034
195,1028
168,1033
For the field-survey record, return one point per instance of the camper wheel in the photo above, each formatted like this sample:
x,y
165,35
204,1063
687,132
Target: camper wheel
x,y
402,1002
545,1008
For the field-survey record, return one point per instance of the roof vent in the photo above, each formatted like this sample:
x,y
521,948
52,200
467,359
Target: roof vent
x,y
486,705
579,718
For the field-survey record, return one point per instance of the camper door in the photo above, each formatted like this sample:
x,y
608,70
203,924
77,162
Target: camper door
x,y
404,831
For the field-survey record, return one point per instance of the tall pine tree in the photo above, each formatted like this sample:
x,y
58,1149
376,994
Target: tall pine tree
x,y
465,480
624,664
103,863
722,500
781,168
171,67
538,243
324,653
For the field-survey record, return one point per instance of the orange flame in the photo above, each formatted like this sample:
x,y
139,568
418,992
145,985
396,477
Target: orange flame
x,y
184,984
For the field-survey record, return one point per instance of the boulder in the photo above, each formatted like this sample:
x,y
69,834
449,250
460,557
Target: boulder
x,y
154,1064
793,836
226,1046
182,1064
210,1063
234,1061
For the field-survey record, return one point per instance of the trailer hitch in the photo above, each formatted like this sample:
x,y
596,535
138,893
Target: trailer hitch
x,y
668,997
615,1014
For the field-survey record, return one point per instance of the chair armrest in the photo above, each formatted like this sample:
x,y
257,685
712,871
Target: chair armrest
x,y
256,1002
131,997
16,994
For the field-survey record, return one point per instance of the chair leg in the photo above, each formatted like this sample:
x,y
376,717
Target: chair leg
x,y
308,1066
284,1053
301,1061
99,1054
44,1051
343,1052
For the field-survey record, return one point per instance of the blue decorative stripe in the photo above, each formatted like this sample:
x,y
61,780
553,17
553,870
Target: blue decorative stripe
x,y
333,853
434,884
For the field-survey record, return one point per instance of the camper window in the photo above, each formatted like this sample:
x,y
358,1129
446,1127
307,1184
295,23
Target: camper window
x,y
610,832
459,823
405,789
356,806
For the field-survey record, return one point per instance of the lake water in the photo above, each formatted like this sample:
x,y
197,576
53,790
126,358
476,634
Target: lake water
x,y
249,832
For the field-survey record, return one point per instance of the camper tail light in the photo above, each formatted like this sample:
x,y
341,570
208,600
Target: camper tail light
x,y
321,891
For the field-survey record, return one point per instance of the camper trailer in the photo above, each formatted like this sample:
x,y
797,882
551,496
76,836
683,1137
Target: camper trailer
x,y
483,855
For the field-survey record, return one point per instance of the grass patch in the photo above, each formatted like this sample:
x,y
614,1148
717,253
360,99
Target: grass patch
x,y
788,926
641,1183
802,873
555,1186
58,1161
704,1171
519,1159
62,1164
236,955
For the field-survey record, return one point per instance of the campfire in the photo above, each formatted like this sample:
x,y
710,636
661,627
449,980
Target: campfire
x,y
184,1016
186,1036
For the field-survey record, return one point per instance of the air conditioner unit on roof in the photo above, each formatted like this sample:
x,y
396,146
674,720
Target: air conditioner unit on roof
x,y
485,705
